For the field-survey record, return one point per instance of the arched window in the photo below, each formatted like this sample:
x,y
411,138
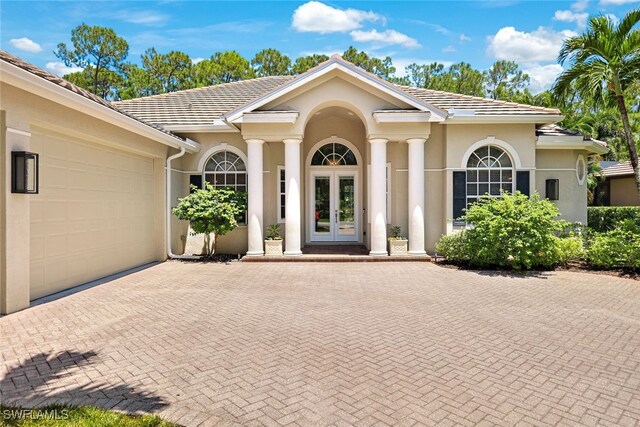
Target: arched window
x,y
334,154
226,169
489,170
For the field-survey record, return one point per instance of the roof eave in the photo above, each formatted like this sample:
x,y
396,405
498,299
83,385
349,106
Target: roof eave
x,y
554,142
506,118
25,80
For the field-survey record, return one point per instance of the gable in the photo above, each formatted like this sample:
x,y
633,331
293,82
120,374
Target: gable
x,y
337,67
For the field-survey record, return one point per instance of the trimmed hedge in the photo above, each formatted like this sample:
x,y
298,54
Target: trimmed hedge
x,y
606,218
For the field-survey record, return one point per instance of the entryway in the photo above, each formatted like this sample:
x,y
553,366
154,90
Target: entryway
x,y
334,207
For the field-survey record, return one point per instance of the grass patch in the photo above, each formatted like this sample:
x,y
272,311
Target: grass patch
x,y
86,416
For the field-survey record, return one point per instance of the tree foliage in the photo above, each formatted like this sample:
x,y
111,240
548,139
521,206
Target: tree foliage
x,y
604,65
222,67
305,63
270,62
100,52
211,211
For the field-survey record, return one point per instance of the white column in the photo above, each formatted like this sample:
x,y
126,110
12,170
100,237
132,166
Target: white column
x,y
378,196
255,202
292,194
416,196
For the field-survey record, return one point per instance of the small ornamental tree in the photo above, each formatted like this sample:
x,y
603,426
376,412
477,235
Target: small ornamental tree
x,y
211,211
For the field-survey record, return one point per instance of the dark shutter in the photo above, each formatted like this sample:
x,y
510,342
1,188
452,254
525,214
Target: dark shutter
x,y
459,196
195,180
522,182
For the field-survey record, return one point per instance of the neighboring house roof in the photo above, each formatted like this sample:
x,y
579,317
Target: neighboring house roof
x,y
620,170
203,105
606,163
45,75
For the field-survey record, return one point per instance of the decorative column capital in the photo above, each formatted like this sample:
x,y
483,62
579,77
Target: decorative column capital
x,y
254,141
415,140
378,141
292,140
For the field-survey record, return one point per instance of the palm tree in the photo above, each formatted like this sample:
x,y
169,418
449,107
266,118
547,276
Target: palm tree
x,y
604,62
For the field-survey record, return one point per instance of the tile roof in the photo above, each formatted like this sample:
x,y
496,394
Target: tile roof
x,y
39,72
481,106
619,170
202,105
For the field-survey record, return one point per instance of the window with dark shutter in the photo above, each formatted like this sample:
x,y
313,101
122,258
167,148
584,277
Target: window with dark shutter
x,y
195,180
459,196
522,182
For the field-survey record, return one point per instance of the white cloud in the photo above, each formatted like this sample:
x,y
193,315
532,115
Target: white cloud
x,y
317,17
464,38
579,5
616,2
542,76
580,18
449,49
59,69
194,61
26,44
143,17
613,18
385,38
542,44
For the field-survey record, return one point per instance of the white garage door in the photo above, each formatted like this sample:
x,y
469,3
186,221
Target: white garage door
x,y
94,214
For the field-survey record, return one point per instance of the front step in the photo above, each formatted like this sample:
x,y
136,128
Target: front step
x,y
336,258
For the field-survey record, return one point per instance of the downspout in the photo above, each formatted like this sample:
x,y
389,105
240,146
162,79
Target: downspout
x,y
170,254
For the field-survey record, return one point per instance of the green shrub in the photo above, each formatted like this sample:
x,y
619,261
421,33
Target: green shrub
x,y
512,231
605,218
570,249
453,248
618,248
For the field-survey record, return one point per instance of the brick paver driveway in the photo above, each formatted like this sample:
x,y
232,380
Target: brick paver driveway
x,y
335,344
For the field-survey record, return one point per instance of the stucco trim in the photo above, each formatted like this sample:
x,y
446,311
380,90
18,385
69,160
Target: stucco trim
x,y
216,148
492,140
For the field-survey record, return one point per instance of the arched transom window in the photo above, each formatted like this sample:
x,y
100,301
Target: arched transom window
x,y
226,169
334,154
489,170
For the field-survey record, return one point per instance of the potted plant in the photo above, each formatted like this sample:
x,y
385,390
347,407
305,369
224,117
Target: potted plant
x,y
273,242
397,243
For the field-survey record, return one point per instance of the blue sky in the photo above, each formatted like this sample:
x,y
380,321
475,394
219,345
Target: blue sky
x,y
478,32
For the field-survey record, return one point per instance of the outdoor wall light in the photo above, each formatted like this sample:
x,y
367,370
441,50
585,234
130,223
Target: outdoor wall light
x,y
24,172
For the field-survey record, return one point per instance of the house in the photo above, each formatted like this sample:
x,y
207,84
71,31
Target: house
x,y
336,155
619,186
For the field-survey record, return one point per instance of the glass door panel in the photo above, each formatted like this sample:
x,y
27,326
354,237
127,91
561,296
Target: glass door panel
x,y
322,204
345,206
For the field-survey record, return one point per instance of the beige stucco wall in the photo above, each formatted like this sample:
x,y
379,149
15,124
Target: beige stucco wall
x,y
623,192
561,165
100,209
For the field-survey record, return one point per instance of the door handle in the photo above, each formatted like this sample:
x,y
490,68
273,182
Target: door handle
x,y
336,215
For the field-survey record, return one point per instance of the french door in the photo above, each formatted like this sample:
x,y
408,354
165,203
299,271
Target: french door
x,y
333,212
